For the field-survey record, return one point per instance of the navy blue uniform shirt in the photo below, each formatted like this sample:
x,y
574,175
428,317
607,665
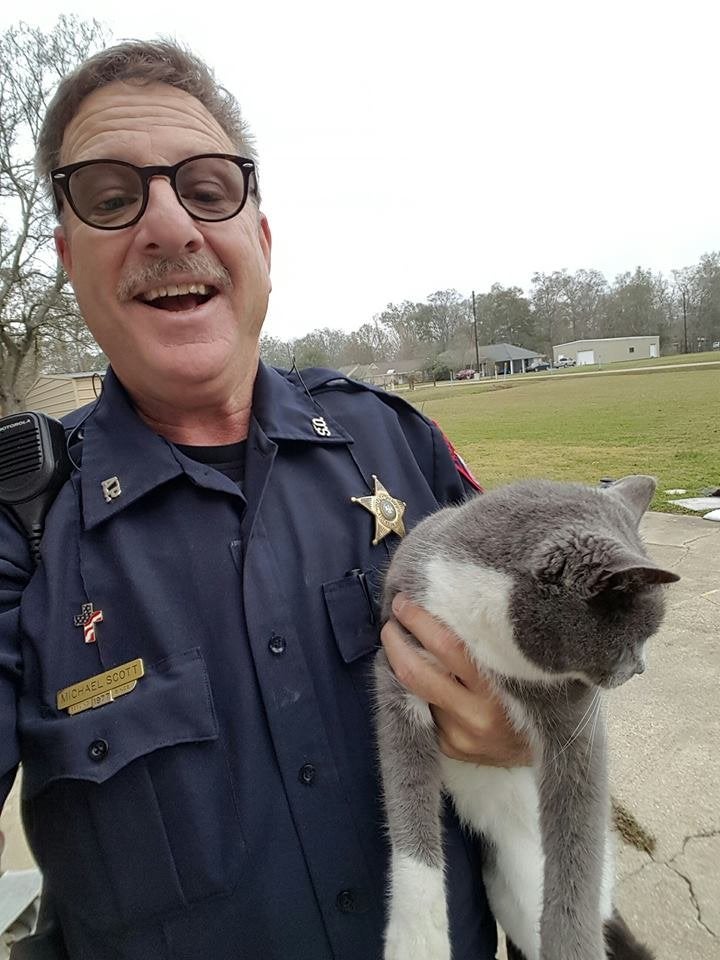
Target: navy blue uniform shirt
x,y
228,806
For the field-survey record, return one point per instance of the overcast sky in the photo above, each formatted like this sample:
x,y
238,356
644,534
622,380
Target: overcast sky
x,y
407,147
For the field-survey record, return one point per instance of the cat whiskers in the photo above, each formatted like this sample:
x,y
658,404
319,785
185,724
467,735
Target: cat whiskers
x,y
590,714
591,741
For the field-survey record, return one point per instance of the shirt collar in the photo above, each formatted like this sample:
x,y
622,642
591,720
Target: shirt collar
x,y
121,453
285,410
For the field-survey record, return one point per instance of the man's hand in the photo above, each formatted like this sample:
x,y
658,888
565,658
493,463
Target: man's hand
x,y
471,721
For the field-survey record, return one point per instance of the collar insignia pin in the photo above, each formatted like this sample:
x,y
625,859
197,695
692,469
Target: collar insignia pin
x,y
320,427
111,489
387,510
87,618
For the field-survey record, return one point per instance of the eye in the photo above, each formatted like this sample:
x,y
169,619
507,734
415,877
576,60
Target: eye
x,y
105,192
206,193
114,203
210,187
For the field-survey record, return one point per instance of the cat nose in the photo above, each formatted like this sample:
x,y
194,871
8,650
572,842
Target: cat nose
x,y
640,666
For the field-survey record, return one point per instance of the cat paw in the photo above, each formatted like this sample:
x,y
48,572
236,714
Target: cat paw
x,y
420,938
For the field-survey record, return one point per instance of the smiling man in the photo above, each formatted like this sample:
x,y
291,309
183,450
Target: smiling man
x,y
170,265
186,674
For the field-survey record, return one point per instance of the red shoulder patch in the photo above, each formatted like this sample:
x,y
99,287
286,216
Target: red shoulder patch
x,y
460,465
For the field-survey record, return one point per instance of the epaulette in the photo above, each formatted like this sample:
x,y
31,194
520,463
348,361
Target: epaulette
x,y
318,379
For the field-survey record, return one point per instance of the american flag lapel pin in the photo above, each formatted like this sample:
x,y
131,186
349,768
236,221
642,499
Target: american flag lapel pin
x,y
87,618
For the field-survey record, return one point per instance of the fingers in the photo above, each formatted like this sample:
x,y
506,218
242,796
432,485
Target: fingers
x,y
440,642
490,741
471,720
424,677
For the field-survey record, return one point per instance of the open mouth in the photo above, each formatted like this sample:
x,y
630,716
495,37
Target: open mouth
x,y
176,297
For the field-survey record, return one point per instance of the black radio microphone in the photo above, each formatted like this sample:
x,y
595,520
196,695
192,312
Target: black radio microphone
x,y
34,464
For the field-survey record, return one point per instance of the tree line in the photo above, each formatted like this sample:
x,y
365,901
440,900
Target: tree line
x,y
41,330
682,309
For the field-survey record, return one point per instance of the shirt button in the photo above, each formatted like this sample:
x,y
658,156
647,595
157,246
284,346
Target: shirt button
x,y
345,901
98,750
276,645
307,773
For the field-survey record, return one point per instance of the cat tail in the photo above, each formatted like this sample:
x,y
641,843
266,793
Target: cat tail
x,y
621,943
417,925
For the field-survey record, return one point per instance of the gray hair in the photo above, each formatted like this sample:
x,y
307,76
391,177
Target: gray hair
x,y
141,62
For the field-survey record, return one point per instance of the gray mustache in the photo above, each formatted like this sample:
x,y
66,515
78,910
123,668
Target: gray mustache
x,y
198,265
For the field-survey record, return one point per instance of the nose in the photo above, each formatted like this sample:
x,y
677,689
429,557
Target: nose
x,y
166,229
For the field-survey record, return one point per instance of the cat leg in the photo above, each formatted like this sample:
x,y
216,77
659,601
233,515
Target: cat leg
x,y
502,806
574,814
417,926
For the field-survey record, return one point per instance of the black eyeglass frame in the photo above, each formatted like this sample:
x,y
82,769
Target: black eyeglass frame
x,y
60,180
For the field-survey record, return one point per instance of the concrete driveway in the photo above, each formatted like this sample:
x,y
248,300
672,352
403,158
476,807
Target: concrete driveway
x,y
665,750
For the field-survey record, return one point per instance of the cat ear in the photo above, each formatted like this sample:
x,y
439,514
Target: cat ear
x,y
635,492
589,565
636,577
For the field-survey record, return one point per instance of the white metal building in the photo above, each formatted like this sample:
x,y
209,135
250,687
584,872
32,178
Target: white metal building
x,y
608,350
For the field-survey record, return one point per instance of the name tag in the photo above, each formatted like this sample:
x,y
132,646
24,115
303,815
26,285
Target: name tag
x,y
101,689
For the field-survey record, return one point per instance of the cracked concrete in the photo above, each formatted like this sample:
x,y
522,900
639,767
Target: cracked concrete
x,y
698,864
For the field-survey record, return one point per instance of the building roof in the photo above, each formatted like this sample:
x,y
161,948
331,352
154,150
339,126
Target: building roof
x,y
572,343
506,351
381,368
405,366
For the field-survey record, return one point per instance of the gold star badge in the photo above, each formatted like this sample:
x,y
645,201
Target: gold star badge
x,y
388,511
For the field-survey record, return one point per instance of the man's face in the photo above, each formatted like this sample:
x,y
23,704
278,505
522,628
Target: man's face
x,y
161,347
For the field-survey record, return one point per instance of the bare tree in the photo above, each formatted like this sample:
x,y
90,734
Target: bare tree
x,y
34,298
275,351
446,314
550,308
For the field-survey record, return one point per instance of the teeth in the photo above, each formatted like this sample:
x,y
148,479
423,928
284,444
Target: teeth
x,y
174,290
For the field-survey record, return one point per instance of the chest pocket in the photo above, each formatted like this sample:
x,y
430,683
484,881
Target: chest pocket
x,y
129,808
353,606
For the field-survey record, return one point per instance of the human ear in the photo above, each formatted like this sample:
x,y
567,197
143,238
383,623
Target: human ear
x,y
62,248
265,237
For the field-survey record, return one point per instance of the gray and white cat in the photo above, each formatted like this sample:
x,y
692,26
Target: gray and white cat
x,y
549,587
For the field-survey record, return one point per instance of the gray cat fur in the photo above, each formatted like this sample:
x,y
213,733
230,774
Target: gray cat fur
x,y
585,597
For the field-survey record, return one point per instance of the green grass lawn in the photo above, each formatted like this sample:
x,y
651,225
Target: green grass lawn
x,y
665,423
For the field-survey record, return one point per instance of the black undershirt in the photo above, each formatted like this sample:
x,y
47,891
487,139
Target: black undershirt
x,y
228,458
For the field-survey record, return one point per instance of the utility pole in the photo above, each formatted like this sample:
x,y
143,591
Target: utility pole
x,y
477,349
684,296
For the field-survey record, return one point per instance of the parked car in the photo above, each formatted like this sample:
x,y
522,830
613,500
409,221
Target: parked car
x,y
465,375
536,365
564,361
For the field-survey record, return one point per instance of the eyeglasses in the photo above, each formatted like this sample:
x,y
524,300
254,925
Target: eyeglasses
x,y
112,194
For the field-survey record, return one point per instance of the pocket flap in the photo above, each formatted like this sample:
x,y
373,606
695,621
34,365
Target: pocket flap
x,y
352,605
171,704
